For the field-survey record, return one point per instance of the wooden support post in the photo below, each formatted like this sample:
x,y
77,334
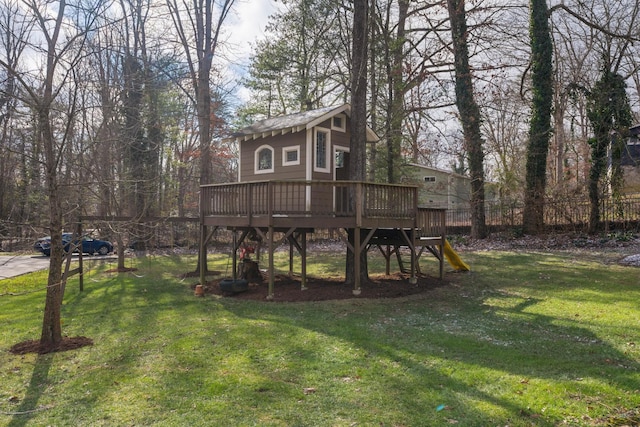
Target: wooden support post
x,y
418,255
234,253
409,238
303,263
413,279
396,249
441,258
290,258
271,264
387,257
203,252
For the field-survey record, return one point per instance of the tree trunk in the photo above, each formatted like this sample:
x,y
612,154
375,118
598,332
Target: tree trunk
x,y
610,116
51,335
395,114
357,170
598,165
540,126
469,115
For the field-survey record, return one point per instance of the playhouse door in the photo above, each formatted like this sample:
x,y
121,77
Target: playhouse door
x,y
341,174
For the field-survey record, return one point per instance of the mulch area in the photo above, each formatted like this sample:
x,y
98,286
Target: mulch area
x,y
287,289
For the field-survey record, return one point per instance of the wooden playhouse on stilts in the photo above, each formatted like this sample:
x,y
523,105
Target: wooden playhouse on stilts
x,y
292,181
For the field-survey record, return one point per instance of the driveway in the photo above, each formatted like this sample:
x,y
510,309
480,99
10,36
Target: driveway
x,y
15,265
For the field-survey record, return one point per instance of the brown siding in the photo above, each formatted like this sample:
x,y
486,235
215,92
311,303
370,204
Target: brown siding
x,y
340,138
247,150
247,156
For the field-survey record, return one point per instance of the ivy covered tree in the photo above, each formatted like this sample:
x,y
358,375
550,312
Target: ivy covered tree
x,y
540,125
609,113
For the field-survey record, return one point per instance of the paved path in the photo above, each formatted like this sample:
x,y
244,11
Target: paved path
x,y
15,265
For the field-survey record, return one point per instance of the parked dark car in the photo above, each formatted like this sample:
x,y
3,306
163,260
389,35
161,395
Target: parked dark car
x,y
89,245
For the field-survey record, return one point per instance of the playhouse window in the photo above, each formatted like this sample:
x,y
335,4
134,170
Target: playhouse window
x,y
339,122
290,156
429,179
264,159
322,151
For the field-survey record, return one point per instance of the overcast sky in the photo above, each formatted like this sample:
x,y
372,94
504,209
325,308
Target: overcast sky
x,y
245,25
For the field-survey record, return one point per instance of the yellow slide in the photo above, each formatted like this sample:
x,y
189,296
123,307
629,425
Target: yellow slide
x,y
454,259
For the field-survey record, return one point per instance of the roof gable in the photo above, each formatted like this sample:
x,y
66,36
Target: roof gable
x,y
294,123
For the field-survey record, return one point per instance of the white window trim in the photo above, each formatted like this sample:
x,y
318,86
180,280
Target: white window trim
x,y
328,150
289,149
429,178
256,161
342,128
337,148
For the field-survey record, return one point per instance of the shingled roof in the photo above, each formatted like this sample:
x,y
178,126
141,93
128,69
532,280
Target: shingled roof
x,y
294,123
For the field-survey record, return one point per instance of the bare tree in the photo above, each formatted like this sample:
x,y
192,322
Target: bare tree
x,y
469,115
199,37
13,41
199,34
63,30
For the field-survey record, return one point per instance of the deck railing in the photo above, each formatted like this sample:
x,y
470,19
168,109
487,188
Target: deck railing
x,y
431,222
319,198
322,199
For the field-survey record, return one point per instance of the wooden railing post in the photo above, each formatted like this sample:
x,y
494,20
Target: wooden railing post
x,y
270,202
249,193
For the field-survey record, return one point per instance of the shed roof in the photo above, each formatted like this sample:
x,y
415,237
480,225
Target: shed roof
x,y
434,169
294,123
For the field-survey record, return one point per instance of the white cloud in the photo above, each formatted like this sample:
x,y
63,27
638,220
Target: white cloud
x,y
245,25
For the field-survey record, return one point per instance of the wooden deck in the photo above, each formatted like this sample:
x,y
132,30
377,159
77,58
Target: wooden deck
x,y
376,214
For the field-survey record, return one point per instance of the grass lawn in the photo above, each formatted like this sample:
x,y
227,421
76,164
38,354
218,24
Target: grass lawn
x,y
526,338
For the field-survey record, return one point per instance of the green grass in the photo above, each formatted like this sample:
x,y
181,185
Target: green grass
x,y
526,339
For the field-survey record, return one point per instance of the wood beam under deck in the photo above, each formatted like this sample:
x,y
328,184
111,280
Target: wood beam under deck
x,y
267,236
297,238
384,214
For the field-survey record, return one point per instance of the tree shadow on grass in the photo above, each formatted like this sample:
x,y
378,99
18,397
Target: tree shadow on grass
x,y
37,385
465,331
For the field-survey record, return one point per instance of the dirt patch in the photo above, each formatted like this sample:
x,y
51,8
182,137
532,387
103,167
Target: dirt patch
x,y
34,346
288,289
